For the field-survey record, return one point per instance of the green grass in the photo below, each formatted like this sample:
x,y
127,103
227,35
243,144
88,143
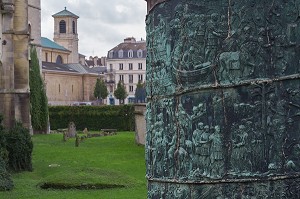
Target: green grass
x,y
104,161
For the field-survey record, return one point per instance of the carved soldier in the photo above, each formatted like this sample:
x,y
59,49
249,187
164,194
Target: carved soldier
x,y
212,37
202,148
216,153
240,153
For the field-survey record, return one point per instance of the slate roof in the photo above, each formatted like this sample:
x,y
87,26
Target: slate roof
x,y
126,46
91,63
65,13
47,43
99,69
58,67
80,68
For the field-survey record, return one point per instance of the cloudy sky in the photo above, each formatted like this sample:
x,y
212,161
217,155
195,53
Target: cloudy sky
x,y
102,24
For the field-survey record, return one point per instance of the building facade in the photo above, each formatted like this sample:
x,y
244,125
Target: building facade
x,y
126,63
19,28
65,33
68,81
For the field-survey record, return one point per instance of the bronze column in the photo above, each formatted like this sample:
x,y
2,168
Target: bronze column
x,y
223,86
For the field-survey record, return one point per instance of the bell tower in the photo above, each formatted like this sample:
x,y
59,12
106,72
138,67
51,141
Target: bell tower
x,y
65,33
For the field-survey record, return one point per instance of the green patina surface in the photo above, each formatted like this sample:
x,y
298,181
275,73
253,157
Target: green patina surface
x,y
223,112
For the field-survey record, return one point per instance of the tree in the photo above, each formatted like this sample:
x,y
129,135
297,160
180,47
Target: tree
x,y
140,93
120,93
100,91
38,98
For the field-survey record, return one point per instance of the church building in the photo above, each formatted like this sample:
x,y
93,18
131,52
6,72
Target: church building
x,y
20,23
67,80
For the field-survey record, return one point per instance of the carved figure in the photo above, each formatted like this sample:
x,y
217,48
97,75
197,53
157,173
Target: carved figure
x,y
240,154
202,148
212,37
216,153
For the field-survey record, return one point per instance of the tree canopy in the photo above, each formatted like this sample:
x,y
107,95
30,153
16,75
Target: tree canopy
x,y
120,93
38,98
140,93
100,91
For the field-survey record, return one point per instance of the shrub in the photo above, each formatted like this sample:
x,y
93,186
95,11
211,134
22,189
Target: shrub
x,y
6,182
19,147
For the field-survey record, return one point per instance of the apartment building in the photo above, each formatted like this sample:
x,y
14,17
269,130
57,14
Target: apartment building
x,y
126,63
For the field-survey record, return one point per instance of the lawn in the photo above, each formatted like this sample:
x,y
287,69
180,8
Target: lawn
x,y
115,163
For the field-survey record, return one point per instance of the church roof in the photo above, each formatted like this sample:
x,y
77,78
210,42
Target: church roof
x,y
72,68
58,67
65,13
80,68
47,43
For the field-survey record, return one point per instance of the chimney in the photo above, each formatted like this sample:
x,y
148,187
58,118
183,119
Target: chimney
x,y
129,40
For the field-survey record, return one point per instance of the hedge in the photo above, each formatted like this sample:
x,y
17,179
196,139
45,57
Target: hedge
x,y
93,117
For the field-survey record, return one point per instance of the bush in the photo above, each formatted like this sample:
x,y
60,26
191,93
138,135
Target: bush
x,y
6,182
19,147
93,117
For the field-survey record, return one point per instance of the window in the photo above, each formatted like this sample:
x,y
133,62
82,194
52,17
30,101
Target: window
x,y
130,78
130,53
130,88
59,88
46,57
131,100
140,66
111,54
120,53
140,78
120,66
140,53
121,78
110,67
59,60
74,27
62,26
130,66
29,31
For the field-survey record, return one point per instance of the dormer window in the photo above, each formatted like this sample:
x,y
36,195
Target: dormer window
x,y
140,53
130,53
62,26
111,54
120,53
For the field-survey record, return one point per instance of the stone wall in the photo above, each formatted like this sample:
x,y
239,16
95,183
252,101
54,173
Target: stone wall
x,y
14,80
140,123
66,88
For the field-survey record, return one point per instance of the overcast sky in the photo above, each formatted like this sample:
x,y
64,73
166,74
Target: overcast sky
x,y
102,24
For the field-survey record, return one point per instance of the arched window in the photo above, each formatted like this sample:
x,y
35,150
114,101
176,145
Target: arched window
x,y
130,53
62,26
74,27
120,53
59,60
140,53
